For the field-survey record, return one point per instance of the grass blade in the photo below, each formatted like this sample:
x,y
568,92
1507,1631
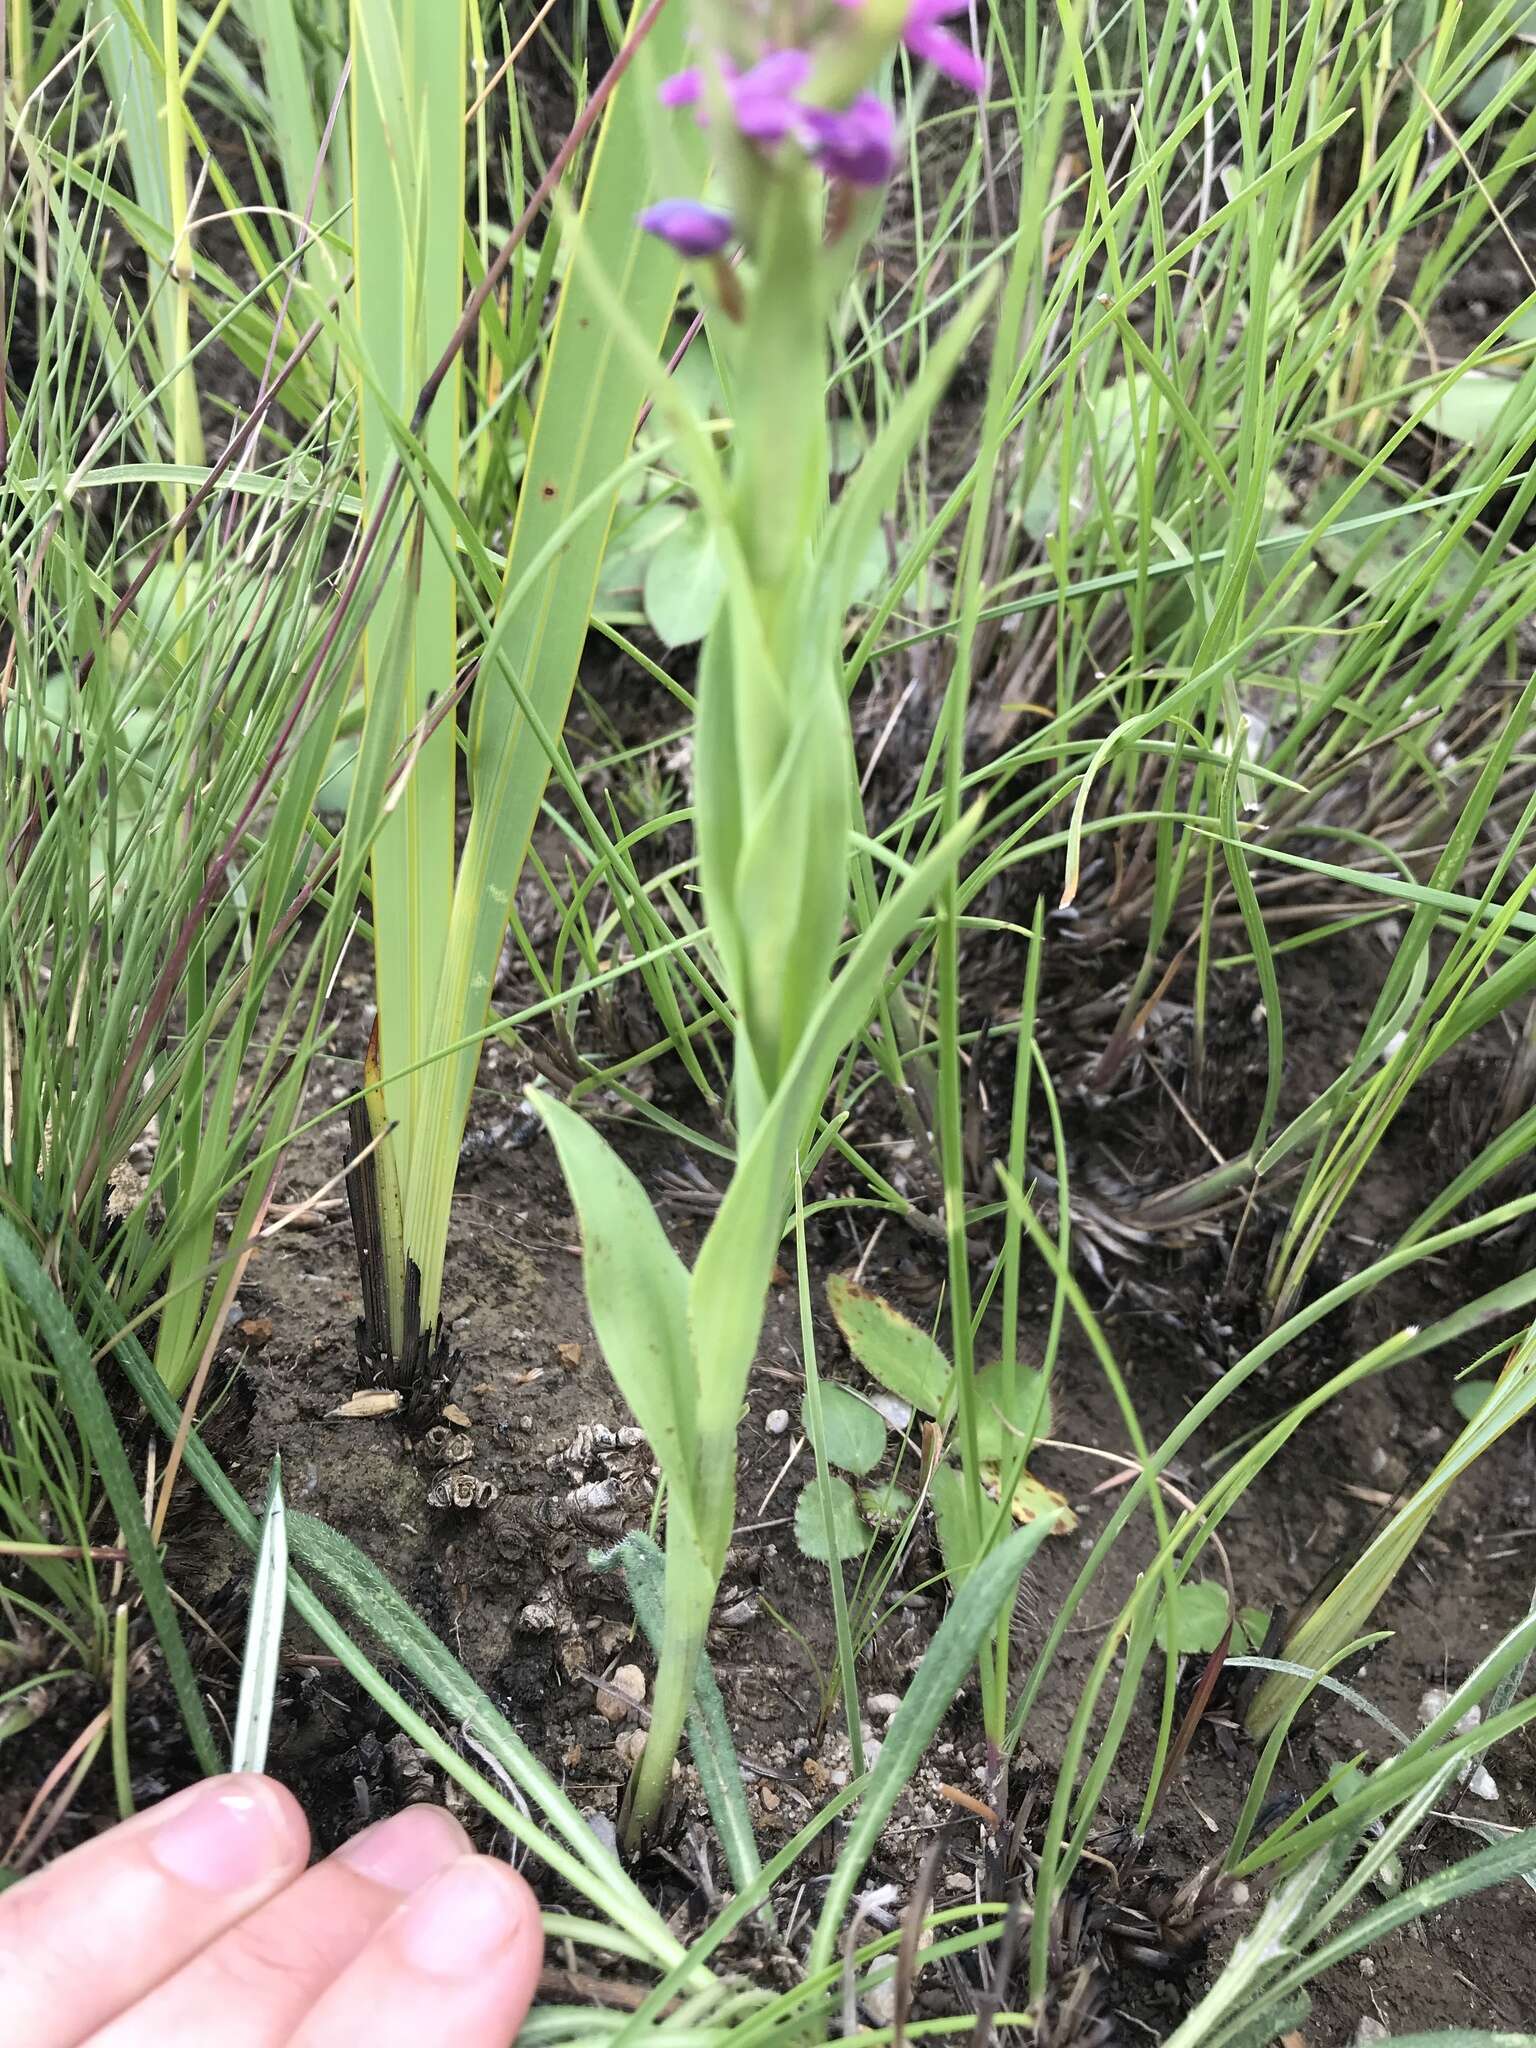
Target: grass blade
x,y
264,1636
93,1418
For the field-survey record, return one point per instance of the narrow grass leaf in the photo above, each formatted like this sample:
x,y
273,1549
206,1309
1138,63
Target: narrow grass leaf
x,y
264,1636
82,1390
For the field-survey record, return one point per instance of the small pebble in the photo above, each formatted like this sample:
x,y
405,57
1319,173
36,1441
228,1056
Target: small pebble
x,y
1435,1702
604,1830
776,1421
880,1706
629,1744
1370,2029
880,2003
625,1691
1480,1784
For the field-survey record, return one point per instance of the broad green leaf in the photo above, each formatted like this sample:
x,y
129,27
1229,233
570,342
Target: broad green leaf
x,y
406,103
947,1663
1381,556
685,582
903,1358
1468,1396
849,1536
1472,405
855,1434
1200,1621
1252,1626
637,1288
637,534
958,1528
335,791
994,1436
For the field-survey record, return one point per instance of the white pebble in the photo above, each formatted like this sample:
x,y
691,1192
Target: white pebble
x,y
880,2003
776,1421
880,1706
1481,1785
1434,1703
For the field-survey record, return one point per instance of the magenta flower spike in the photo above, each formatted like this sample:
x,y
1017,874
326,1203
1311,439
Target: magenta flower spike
x,y
692,228
857,145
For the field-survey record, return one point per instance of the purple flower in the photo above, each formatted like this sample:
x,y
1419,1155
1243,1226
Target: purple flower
x,y
857,145
683,89
762,100
692,228
933,44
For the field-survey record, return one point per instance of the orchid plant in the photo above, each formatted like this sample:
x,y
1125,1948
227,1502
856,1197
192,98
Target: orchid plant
x,y
804,143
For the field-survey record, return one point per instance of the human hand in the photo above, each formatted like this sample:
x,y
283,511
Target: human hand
x,y
196,1923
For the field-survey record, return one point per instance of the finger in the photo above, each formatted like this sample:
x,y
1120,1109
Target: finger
x,y
458,1962
96,1930
262,1977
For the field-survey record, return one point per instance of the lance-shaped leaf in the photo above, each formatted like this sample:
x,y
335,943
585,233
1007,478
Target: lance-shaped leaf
x,y
637,1288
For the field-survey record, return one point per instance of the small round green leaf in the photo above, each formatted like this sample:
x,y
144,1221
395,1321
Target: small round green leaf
x,y
855,1434
1252,1628
850,1535
1468,1396
1201,1618
684,582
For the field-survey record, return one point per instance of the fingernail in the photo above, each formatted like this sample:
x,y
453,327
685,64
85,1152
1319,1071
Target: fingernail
x,y
406,1850
462,1919
226,1835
